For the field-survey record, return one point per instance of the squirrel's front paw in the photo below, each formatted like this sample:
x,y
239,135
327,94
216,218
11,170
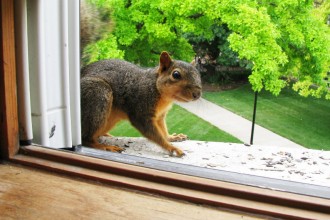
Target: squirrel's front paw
x,y
178,152
177,137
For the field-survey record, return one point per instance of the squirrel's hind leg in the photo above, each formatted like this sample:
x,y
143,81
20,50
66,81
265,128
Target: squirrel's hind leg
x,y
107,135
96,107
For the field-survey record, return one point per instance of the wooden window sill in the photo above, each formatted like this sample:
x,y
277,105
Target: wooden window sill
x,y
189,188
71,198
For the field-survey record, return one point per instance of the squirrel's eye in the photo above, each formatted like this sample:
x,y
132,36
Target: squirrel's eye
x,y
176,75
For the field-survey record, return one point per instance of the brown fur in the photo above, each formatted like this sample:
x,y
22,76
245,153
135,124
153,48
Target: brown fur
x,y
114,90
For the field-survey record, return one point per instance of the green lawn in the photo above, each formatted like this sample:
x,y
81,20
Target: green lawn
x,y
181,121
305,121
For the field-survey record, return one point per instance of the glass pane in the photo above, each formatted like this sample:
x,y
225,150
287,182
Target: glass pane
x,y
289,140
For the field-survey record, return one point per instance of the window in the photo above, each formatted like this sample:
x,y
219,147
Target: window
x,y
121,172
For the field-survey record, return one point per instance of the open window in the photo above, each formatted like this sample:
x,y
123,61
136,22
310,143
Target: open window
x,y
47,69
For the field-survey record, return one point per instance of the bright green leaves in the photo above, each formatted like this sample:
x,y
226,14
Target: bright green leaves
x,y
254,38
277,39
307,88
305,40
103,49
146,28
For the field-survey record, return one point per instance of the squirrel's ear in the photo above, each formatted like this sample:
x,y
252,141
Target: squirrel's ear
x,y
164,61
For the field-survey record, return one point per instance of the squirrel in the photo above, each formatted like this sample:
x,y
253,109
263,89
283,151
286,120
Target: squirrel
x,y
114,90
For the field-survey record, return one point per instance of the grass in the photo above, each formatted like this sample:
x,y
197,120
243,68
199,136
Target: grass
x,y
180,120
305,121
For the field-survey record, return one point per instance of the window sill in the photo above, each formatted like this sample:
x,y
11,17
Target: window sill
x,y
298,170
194,189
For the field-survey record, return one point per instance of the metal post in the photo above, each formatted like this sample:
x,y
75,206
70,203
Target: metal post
x,y
254,116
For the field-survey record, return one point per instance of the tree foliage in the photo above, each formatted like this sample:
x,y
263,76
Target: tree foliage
x,y
279,39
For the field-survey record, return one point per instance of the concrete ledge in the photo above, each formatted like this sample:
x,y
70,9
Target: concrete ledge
x,y
293,164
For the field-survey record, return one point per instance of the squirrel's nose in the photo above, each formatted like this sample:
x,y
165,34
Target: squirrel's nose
x,y
196,95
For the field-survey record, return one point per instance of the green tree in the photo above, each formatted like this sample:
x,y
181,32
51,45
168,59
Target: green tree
x,y
281,39
96,40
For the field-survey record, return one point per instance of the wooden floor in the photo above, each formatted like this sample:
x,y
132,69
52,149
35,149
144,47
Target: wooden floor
x,y
26,193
